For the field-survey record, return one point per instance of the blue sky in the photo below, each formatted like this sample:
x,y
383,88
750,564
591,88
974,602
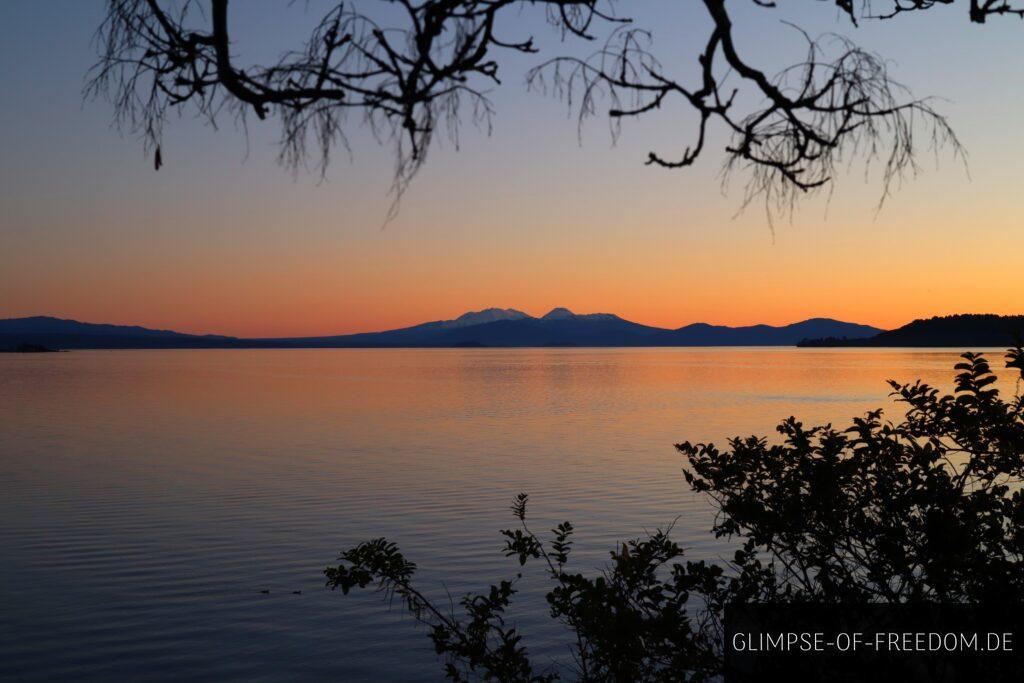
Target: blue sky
x,y
223,239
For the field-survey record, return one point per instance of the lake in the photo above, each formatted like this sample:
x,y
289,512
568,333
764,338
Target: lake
x,y
148,498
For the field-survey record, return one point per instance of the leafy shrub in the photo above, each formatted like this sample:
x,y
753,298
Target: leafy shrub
x,y
929,509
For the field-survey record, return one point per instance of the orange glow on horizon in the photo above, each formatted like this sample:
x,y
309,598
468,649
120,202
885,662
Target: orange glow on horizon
x,y
322,323
222,240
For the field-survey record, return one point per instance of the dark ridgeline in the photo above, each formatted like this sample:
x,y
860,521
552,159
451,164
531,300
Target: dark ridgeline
x,y
58,333
960,331
493,327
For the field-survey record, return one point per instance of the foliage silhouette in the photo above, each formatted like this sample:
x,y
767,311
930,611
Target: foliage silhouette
x,y
428,65
926,510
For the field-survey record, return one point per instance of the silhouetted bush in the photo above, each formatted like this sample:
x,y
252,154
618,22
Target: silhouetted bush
x,y
925,510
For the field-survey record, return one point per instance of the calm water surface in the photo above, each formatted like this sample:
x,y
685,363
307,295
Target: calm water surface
x,y
147,498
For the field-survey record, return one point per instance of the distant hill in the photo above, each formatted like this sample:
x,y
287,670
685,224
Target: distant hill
x,y
60,333
702,334
961,331
493,327
560,327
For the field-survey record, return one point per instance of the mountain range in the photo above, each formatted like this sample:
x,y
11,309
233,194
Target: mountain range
x,y
492,327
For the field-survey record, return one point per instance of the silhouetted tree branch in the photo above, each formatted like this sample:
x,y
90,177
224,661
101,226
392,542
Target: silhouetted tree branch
x,y
838,103
429,67
404,80
978,10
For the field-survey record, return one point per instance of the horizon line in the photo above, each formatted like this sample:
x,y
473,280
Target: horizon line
x,y
163,328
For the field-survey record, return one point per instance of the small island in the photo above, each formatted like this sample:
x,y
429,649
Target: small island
x,y
28,348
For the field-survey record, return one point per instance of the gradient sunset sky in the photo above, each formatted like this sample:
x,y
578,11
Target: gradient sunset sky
x,y
223,240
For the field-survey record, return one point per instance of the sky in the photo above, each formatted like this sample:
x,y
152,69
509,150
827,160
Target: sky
x,y
532,216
